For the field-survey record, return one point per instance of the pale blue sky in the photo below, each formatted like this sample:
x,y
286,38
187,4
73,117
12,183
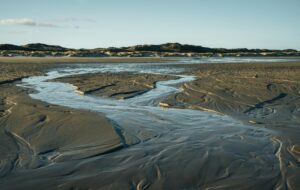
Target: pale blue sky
x,y
273,24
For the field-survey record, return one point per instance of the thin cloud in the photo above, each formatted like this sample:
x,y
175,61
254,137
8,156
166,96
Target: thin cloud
x,y
28,22
73,19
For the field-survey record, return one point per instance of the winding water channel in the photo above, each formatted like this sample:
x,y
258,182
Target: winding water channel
x,y
163,148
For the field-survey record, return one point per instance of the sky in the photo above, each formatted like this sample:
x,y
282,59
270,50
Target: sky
x,y
271,24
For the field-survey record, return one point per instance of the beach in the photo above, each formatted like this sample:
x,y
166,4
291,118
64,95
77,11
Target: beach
x,y
232,124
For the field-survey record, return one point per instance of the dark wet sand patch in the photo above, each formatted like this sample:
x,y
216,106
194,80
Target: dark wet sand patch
x,y
35,134
115,85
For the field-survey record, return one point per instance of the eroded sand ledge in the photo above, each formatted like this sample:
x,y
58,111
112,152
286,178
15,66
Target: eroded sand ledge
x,y
115,85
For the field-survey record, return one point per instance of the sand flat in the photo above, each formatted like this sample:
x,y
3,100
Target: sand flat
x,y
260,92
47,60
41,133
35,135
115,85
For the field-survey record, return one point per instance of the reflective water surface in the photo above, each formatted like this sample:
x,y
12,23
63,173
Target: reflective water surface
x,y
163,148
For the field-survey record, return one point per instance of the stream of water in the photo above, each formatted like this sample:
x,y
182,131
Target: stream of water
x,y
174,148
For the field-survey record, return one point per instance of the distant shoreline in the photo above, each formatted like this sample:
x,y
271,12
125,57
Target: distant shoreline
x,y
162,50
58,60
22,59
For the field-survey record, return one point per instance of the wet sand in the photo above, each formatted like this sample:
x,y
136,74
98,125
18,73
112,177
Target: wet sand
x,y
47,60
11,72
35,135
114,85
260,93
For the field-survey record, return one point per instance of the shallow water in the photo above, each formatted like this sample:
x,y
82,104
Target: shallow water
x,y
163,148
211,60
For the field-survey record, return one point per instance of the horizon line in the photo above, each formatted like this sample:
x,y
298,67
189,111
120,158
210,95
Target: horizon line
x,y
144,44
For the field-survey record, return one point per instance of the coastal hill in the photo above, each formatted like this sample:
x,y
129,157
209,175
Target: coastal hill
x,y
32,47
162,50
